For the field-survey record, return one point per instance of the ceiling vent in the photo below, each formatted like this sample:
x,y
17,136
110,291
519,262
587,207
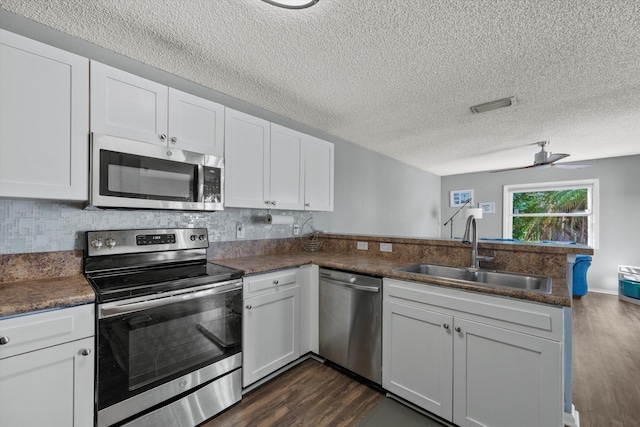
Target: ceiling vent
x,y
494,105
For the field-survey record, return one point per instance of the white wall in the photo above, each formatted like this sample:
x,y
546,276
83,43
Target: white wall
x,y
619,221
378,195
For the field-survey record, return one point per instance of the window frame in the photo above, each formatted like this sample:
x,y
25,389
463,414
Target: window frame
x,y
593,203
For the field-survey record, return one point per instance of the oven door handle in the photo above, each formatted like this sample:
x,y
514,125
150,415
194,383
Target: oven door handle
x,y
112,310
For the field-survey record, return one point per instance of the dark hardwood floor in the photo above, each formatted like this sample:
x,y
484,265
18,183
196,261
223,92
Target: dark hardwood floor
x,y
606,361
310,394
606,379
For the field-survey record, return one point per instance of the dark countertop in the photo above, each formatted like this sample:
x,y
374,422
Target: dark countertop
x,y
28,283
384,267
25,296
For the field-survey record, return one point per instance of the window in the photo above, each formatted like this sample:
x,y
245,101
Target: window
x,y
552,211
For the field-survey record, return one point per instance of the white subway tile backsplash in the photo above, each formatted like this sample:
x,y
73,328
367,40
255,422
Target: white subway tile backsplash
x,y
46,226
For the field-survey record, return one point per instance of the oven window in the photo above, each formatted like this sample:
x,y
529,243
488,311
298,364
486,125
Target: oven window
x,y
126,175
140,350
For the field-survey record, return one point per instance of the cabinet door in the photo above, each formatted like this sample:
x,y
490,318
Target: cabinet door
x,y
247,165
128,106
417,356
287,178
318,174
44,115
505,378
195,124
270,335
49,387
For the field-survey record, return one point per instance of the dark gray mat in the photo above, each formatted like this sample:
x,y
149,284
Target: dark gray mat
x,y
391,413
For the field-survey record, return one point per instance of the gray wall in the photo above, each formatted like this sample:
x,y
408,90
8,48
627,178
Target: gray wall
x,y
619,226
373,194
378,195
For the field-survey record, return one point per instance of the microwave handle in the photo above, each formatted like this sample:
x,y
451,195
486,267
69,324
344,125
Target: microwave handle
x,y
200,188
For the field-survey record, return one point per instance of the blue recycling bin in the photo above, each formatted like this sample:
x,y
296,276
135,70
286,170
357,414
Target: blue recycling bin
x,y
580,267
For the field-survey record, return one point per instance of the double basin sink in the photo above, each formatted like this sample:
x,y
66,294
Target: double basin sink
x,y
526,282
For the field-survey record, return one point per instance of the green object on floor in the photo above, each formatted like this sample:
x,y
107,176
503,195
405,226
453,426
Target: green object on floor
x,y
391,413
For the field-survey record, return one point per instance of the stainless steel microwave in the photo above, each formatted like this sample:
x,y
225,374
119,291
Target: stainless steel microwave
x,y
132,174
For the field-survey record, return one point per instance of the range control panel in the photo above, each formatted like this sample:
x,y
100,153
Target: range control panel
x,y
155,239
114,242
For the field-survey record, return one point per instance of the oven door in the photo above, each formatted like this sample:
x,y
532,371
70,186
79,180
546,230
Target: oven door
x,y
143,344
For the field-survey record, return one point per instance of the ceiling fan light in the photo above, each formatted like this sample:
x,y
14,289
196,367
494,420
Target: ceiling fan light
x,y
494,105
292,4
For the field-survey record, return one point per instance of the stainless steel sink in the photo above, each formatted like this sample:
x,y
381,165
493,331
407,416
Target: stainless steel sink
x,y
511,280
435,270
488,277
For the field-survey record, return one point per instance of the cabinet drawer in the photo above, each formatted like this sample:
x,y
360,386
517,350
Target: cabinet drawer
x,y
35,331
256,285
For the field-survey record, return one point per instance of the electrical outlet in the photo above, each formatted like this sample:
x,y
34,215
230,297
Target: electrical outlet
x,y
296,229
363,246
239,230
386,247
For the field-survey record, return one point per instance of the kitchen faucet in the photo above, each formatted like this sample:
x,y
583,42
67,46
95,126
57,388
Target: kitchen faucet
x,y
475,258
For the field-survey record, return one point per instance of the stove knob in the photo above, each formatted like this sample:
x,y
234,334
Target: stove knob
x,y
96,243
110,242
201,237
193,237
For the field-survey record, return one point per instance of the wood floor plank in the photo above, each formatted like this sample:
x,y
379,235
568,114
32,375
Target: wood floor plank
x,y
310,394
606,361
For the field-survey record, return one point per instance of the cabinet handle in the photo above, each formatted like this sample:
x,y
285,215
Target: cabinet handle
x,y
249,307
85,351
275,282
273,202
4,340
446,326
174,139
307,204
458,329
267,202
163,137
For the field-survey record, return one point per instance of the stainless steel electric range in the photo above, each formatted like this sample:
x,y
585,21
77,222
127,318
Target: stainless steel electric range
x,y
169,327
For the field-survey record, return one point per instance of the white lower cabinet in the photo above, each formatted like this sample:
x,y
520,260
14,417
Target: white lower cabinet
x,y
472,359
47,369
271,324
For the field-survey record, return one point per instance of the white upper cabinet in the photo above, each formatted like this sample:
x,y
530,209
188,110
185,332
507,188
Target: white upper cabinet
x,y
287,174
318,174
44,120
247,166
195,124
129,106
270,166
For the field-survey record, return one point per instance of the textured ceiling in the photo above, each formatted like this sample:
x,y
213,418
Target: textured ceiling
x,y
398,76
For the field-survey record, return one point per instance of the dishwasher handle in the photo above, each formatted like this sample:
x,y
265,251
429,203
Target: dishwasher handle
x,y
351,285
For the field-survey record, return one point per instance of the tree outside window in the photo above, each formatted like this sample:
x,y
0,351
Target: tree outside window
x,y
558,212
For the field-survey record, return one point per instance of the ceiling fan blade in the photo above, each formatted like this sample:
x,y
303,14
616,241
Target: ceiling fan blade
x,y
515,169
565,166
554,158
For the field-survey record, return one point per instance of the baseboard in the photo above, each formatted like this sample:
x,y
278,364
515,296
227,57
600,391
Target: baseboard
x,y
572,419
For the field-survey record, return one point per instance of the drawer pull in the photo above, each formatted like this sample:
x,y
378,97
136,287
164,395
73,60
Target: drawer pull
x,y
85,351
458,329
275,282
249,307
4,340
446,326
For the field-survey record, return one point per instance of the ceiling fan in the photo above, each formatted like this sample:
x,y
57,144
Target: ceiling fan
x,y
545,159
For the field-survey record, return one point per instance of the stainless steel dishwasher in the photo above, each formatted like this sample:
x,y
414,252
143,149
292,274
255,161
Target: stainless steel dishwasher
x,y
351,322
